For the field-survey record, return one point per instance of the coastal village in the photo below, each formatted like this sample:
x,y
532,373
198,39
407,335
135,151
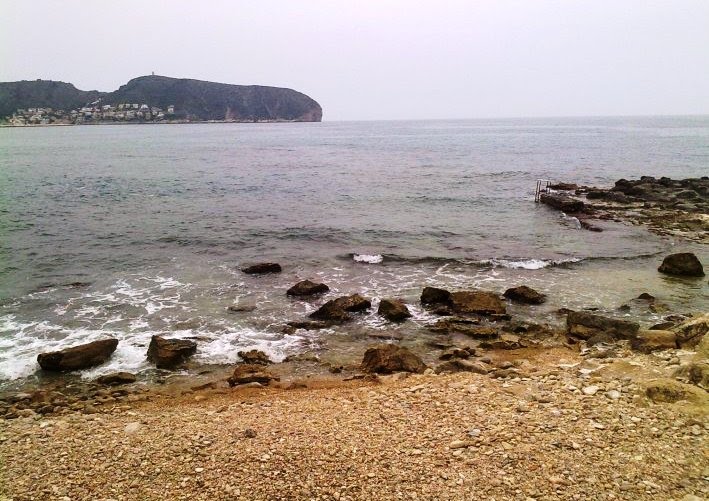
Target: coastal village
x,y
92,113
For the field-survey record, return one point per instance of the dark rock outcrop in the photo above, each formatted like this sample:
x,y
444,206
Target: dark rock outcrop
x,y
562,202
388,358
262,268
435,296
524,294
583,325
393,310
307,288
683,264
331,312
477,303
691,332
251,373
169,353
353,303
254,357
78,357
116,378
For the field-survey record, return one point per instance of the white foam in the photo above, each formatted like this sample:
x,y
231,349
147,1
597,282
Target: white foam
x,y
368,258
528,264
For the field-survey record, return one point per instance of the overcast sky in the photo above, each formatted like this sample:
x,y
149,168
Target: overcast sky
x,y
384,59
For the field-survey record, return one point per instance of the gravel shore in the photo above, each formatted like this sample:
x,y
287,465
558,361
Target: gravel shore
x,y
568,428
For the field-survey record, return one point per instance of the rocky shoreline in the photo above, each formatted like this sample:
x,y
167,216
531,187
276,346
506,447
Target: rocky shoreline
x,y
496,407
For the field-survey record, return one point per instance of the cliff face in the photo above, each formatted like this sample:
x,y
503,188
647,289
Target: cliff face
x,y
200,100
42,93
192,99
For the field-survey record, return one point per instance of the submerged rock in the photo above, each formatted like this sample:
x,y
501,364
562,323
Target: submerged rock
x,y
393,310
524,294
309,325
78,357
169,353
251,373
683,264
307,288
583,325
254,357
262,268
116,378
388,358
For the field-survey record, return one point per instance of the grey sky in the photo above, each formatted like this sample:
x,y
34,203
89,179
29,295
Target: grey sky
x,y
384,59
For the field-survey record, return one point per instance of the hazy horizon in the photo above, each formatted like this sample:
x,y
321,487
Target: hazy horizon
x,y
389,60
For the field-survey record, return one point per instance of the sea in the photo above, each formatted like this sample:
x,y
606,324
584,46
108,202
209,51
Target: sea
x,y
129,231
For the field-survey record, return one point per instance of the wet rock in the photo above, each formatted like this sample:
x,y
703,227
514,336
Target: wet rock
x,y
388,358
331,312
690,332
670,391
524,294
505,342
262,268
116,378
256,357
683,264
393,310
600,338
169,353
564,186
477,302
457,353
696,373
307,288
562,202
462,365
309,325
78,357
663,326
646,297
353,303
251,373
648,341
584,325
435,296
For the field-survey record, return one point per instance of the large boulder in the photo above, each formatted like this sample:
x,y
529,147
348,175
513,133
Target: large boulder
x,y
583,325
435,296
683,264
696,373
671,391
251,373
393,310
353,303
524,294
388,358
691,332
307,288
262,268
331,312
78,357
169,353
647,341
477,303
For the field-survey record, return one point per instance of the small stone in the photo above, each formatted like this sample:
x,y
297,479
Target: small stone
x,y
590,390
458,444
132,427
199,470
249,433
613,394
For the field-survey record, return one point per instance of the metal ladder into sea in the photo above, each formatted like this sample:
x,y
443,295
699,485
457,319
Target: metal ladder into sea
x,y
542,187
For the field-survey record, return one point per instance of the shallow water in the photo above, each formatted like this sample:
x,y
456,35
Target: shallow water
x,y
158,219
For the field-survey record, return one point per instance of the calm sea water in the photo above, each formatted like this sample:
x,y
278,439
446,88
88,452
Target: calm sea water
x,y
158,220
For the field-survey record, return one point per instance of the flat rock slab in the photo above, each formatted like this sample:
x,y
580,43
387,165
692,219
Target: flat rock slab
x,y
584,325
78,357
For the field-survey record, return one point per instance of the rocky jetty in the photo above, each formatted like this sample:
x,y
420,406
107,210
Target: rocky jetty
x,y
78,357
